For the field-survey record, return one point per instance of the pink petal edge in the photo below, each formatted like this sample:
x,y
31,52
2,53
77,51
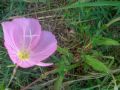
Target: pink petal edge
x,y
44,64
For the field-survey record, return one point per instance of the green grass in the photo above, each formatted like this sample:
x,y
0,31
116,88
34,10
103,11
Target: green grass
x,y
88,34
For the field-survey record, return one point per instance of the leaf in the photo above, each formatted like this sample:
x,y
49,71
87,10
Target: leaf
x,y
96,64
62,50
93,4
2,87
97,3
66,55
89,4
104,41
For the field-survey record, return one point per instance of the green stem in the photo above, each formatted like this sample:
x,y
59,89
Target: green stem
x,y
58,83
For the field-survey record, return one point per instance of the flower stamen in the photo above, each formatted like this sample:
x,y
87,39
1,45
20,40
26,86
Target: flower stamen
x,y
23,55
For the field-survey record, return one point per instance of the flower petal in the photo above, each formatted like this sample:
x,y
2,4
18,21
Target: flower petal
x,y
44,64
25,64
8,29
12,53
22,32
31,32
46,47
16,60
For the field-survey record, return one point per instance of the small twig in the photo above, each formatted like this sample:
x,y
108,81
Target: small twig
x,y
12,76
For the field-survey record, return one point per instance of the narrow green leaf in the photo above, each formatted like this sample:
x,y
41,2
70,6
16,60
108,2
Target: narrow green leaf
x,y
96,64
93,4
98,3
104,41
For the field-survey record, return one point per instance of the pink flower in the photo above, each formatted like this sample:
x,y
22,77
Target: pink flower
x,y
26,43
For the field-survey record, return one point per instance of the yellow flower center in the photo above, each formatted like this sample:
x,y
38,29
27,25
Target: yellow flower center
x,y
23,55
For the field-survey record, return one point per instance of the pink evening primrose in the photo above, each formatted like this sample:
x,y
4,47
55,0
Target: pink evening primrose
x,y
26,43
